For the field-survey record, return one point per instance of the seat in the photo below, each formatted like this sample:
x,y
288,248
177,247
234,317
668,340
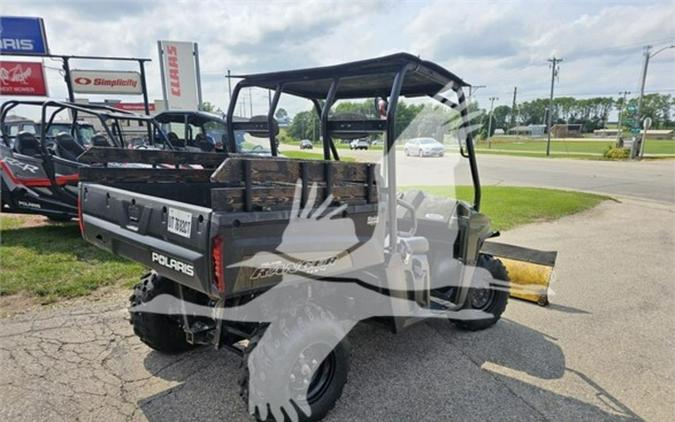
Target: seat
x,y
67,148
27,144
100,140
175,141
205,143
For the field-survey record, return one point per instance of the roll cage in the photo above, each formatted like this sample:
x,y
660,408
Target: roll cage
x,y
109,118
389,78
197,118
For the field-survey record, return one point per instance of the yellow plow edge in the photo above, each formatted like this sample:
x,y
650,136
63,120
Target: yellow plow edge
x,y
529,270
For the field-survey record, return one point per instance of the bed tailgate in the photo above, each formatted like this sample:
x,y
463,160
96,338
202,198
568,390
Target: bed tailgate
x,y
168,236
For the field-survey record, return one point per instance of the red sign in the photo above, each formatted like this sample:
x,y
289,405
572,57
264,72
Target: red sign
x,y
22,78
134,106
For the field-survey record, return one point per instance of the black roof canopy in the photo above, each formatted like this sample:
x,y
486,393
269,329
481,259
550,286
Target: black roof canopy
x,y
360,79
197,118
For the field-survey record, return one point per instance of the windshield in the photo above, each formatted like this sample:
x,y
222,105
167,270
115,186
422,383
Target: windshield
x,y
428,141
56,128
215,130
86,131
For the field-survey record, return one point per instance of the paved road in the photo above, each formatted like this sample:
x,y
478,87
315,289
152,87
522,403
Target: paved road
x,y
602,351
654,180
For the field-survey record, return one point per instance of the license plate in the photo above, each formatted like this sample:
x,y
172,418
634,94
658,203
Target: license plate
x,y
179,222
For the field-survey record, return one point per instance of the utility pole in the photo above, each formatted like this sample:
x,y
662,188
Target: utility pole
x,y
554,61
513,108
250,101
489,133
229,84
645,65
619,140
648,55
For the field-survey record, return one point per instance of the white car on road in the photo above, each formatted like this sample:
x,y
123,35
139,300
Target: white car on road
x,y
359,144
423,147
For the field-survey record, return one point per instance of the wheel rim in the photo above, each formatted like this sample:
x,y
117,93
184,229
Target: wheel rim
x,y
315,384
482,298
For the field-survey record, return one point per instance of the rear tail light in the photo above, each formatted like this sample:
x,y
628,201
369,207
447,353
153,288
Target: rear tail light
x,y
217,259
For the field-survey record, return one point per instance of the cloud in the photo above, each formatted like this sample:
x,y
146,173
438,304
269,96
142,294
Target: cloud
x,y
499,44
468,30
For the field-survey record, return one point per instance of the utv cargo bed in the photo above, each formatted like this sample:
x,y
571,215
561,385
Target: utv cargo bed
x,y
172,219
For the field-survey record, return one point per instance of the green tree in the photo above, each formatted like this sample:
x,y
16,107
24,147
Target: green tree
x,y
533,112
209,107
305,125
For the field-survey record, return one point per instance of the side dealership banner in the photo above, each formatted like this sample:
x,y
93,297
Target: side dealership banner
x,y
179,65
135,106
23,35
23,78
106,82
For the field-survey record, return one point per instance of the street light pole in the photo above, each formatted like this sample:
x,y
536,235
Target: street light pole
x,y
648,55
619,142
554,60
474,88
489,134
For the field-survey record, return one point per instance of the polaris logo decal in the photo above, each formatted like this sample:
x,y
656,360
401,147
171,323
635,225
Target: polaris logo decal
x,y
173,264
29,204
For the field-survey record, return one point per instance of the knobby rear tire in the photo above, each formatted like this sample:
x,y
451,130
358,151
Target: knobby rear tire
x,y
161,332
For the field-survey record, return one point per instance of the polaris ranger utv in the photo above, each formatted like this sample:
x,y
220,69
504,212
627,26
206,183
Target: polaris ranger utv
x,y
251,233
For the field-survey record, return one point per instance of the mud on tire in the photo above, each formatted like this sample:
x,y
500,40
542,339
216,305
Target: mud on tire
x,y
159,331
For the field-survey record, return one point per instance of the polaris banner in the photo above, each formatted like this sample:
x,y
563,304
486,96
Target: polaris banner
x,y
179,65
106,82
23,35
23,79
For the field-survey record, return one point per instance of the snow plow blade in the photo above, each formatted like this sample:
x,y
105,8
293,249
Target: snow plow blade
x,y
529,270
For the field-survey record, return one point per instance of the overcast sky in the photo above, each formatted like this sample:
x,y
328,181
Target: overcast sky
x,y
493,43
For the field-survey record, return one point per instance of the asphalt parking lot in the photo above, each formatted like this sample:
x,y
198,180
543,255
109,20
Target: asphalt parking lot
x,y
601,351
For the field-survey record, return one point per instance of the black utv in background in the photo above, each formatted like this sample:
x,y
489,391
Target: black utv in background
x,y
202,131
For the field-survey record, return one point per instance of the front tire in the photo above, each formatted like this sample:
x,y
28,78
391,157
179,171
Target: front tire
x,y
492,300
162,332
280,359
